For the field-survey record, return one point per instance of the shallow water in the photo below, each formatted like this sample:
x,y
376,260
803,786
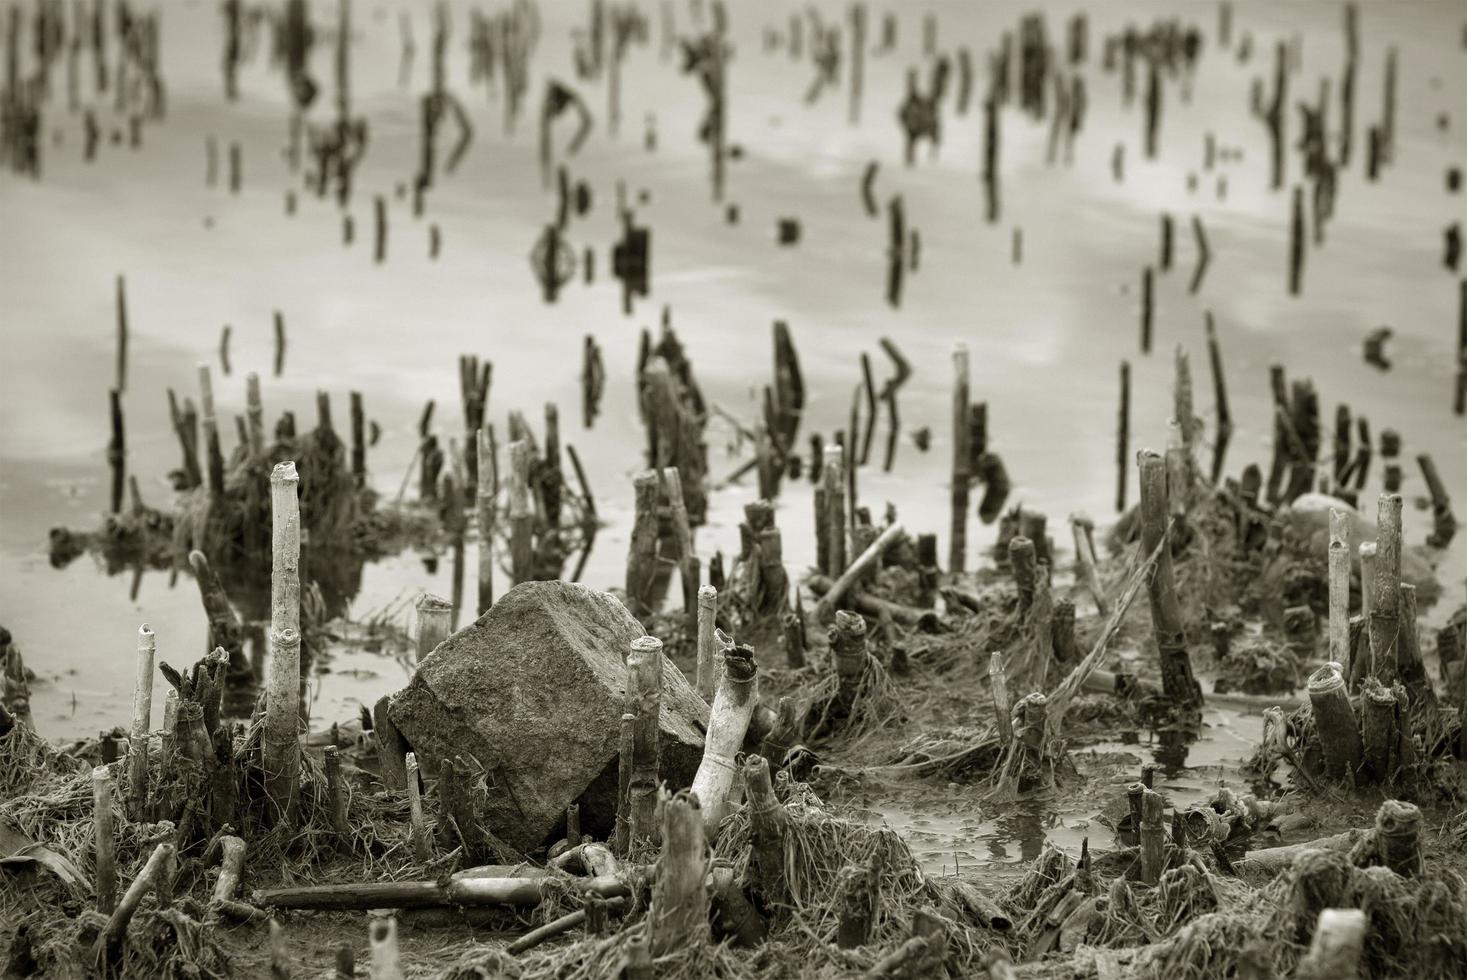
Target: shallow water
x,y
1046,335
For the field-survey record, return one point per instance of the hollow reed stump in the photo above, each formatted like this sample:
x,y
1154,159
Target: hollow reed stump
x,y
280,751
142,714
848,650
1339,735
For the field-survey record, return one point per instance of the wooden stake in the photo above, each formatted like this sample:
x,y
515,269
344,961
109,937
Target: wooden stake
x,y
1148,306
848,650
1384,619
1085,560
487,491
1339,587
835,508
104,840
1123,437
642,556
626,751
281,745
335,789
142,714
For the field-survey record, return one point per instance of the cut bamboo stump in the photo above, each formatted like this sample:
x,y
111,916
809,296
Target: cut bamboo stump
x,y
1384,619
142,714
848,650
834,516
281,746
434,620
707,616
1152,831
768,823
104,840
679,912
858,897
1178,683
644,702
728,722
418,830
642,556
521,518
1339,735
1334,953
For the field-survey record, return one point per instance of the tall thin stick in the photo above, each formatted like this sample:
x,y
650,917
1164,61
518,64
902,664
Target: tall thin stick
x,y
488,488
958,545
142,713
1339,587
707,614
281,748
121,333
521,519
1178,684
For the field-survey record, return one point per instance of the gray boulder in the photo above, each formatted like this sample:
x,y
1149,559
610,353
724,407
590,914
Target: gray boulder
x,y
534,691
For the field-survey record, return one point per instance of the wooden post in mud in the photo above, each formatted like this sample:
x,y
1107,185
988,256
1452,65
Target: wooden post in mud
x,y
644,702
1089,573
1339,735
642,555
707,613
1220,399
1339,587
214,454
521,518
104,840
1021,560
487,489
280,744
434,617
768,823
142,714
1123,437
1178,684
1384,622
958,543
379,235
358,440
626,754
1152,831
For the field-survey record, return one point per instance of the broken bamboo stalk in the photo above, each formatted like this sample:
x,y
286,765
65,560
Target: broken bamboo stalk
x,y
875,607
1080,528
644,702
335,789
434,618
114,934
626,750
858,568
999,683
1384,622
768,823
707,615
1123,437
1339,735
728,723
642,555
417,829
521,518
848,650
562,925
1178,683
104,840
231,868
142,718
679,911
281,747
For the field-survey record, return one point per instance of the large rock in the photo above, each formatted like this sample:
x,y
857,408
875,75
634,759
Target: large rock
x,y
534,690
